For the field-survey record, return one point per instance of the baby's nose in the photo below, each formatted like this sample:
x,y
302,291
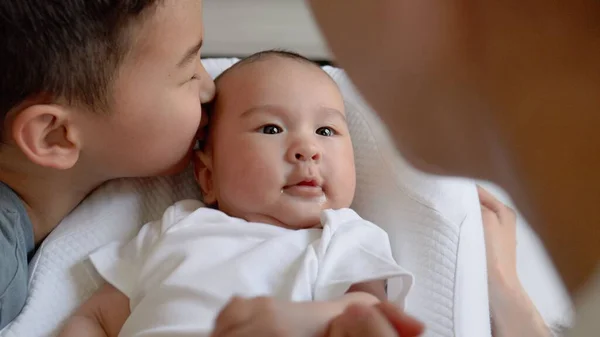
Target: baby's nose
x,y
302,157
305,152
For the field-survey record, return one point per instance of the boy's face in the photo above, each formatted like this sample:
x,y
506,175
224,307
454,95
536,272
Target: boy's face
x,y
281,148
157,93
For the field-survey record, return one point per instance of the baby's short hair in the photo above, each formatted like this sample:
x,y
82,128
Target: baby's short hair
x,y
257,57
67,49
263,55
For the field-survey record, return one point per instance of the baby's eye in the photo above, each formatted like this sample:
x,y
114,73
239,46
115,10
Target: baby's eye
x,y
325,132
271,129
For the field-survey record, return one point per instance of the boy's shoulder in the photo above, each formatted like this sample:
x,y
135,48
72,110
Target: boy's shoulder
x,y
15,224
16,243
14,217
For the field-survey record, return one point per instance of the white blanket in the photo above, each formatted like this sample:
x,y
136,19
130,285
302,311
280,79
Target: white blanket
x,y
181,270
434,225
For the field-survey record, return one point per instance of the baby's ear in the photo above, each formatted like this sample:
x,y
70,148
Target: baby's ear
x,y
203,172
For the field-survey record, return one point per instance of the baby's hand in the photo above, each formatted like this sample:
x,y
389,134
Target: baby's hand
x,y
265,316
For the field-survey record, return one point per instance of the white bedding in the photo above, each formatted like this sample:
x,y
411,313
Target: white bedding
x,y
434,225
181,270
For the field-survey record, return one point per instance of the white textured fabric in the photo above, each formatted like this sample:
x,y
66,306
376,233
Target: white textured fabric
x,y
434,225
181,270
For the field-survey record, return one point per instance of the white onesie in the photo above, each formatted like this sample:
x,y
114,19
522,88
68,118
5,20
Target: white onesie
x,y
180,271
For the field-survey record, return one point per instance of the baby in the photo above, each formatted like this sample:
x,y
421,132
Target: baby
x,y
277,167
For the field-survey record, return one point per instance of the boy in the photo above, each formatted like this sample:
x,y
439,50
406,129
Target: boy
x,y
90,91
279,166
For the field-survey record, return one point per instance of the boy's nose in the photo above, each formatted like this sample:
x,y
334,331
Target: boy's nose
x,y
207,86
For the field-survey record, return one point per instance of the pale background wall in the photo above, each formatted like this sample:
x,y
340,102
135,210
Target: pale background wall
x,y
241,27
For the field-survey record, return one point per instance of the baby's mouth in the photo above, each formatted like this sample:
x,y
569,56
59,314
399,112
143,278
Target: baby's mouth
x,y
308,183
304,189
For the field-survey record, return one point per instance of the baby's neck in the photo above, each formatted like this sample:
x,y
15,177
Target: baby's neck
x,y
269,220
48,195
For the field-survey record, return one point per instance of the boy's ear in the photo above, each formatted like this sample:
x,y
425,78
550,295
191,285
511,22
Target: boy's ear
x,y
47,136
203,168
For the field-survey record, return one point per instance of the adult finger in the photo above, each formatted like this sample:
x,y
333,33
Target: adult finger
x,y
404,324
488,200
252,329
237,312
336,328
489,217
366,321
505,213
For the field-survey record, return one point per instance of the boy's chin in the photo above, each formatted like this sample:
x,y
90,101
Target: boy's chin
x,y
182,165
177,169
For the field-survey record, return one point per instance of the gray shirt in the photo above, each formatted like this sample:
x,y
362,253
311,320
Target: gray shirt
x,y
16,247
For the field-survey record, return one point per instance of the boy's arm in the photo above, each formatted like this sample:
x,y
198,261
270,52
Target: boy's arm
x,y
103,315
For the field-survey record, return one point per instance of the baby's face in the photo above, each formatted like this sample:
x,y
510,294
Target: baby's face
x,y
280,147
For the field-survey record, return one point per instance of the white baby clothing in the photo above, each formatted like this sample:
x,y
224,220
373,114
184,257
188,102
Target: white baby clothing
x,y
180,271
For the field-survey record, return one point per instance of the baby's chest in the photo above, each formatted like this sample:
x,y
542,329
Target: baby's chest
x,y
219,266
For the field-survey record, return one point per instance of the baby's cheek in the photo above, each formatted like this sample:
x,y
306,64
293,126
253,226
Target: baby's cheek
x,y
249,180
344,184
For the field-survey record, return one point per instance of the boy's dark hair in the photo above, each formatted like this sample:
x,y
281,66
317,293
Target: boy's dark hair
x,y
68,49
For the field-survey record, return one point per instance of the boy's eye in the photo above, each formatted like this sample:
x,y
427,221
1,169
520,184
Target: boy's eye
x,y
325,132
271,129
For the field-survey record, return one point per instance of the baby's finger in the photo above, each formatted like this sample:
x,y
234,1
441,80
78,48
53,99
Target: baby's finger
x,y
404,324
366,321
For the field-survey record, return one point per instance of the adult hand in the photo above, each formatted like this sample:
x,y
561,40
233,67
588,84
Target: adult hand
x,y
381,320
264,316
513,312
500,231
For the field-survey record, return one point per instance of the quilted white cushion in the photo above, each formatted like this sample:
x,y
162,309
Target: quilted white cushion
x,y
434,225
